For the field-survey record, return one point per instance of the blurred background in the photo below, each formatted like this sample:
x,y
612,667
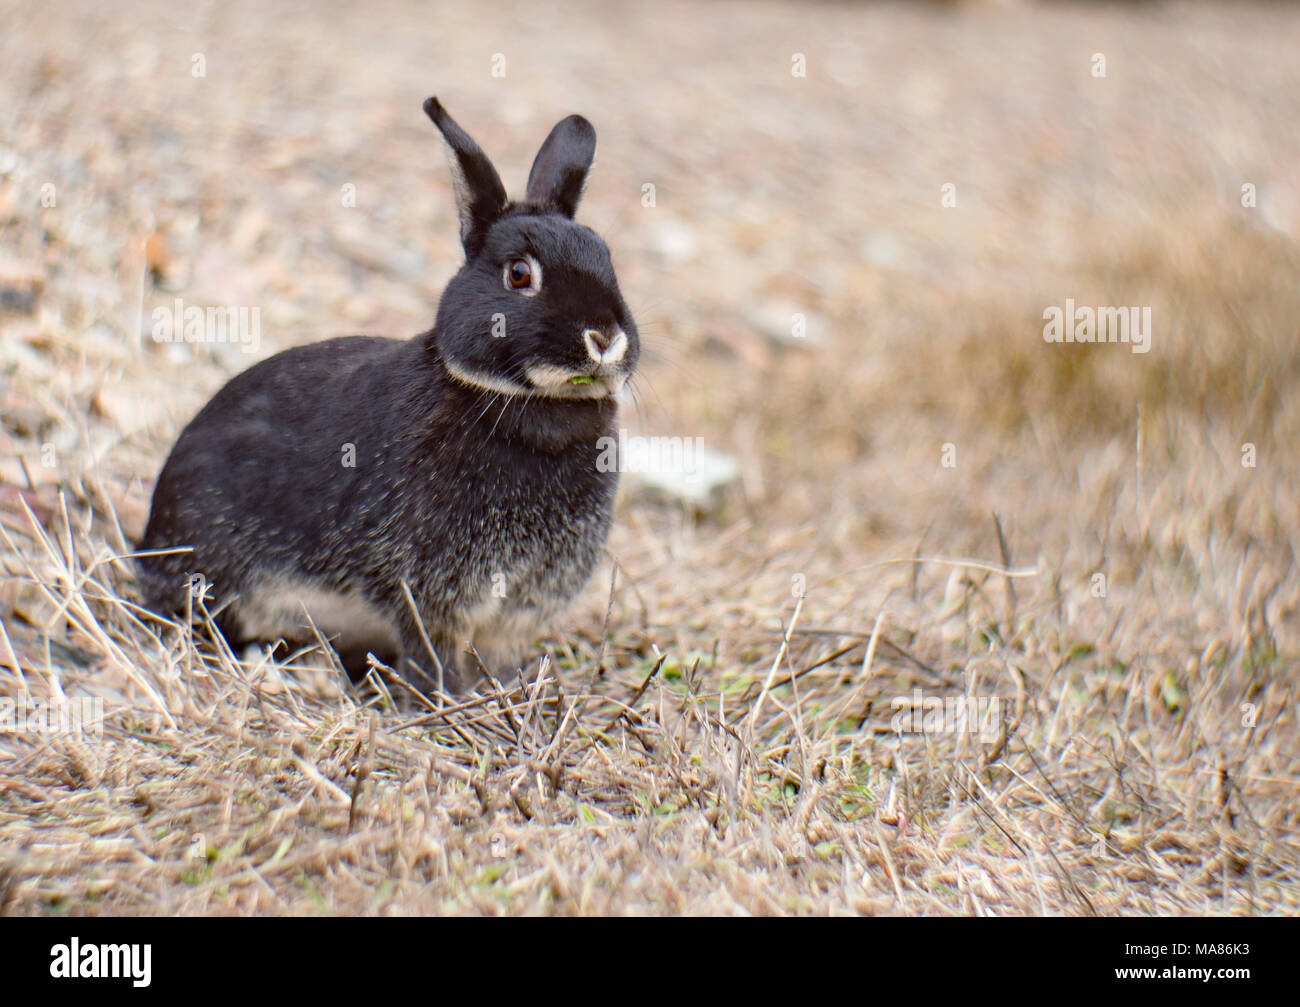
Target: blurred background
x,y
839,225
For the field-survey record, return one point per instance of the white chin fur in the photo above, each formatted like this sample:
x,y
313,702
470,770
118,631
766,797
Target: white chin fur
x,y
554,382
547,381
488,382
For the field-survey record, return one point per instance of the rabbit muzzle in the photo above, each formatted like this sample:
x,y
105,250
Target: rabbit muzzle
x,y
605,374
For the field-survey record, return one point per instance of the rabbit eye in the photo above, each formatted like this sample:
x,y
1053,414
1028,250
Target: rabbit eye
x,y
523,274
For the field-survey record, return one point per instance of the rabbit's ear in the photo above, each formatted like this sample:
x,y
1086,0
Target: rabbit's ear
x,y
480,196
560,170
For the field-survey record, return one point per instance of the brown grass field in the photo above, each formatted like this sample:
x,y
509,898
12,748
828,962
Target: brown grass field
x,y
933,501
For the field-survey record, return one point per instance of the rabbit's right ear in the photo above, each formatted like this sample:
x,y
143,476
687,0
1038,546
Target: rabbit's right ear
x,y
480,196
560,171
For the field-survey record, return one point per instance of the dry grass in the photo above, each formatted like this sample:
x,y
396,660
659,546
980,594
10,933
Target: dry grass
x,y
711,730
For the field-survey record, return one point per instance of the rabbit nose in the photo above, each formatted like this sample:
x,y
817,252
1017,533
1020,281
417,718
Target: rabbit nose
x,y
605,348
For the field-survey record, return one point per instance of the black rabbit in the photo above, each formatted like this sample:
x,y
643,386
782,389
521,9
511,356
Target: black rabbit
x,y
465,466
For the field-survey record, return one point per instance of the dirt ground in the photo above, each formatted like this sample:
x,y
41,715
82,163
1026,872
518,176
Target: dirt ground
x,y
933,503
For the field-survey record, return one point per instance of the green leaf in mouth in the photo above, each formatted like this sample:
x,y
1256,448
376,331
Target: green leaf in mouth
x,y
582,379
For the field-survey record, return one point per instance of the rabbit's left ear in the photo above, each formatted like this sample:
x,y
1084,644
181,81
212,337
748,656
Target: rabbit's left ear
x,y
480,196
560,170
